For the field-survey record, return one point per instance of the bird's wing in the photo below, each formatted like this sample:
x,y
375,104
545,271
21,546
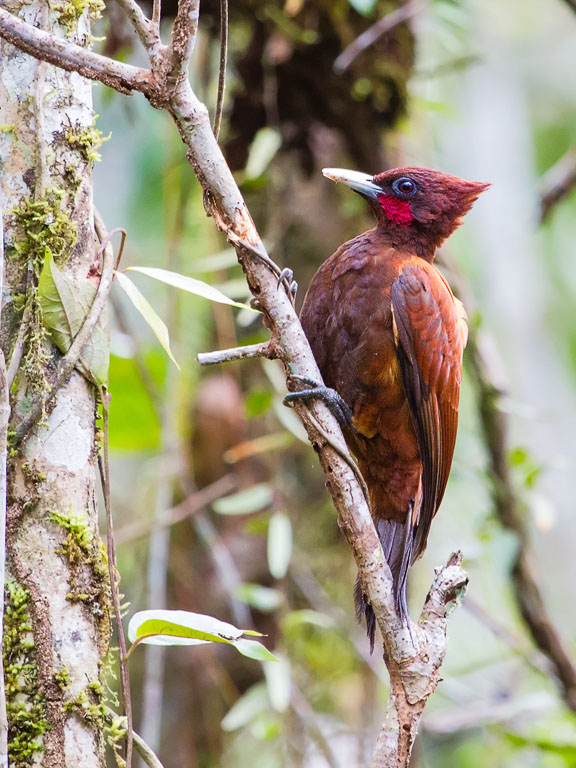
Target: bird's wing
x,y
429,330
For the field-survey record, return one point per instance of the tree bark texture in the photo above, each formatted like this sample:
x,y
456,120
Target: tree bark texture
x,y
57,625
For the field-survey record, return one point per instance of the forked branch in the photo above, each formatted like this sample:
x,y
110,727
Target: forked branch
x,y
413,658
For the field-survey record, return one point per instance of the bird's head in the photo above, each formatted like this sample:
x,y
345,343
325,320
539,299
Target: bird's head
x,y
418,207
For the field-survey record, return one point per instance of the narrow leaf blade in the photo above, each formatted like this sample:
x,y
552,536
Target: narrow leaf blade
x,y
148,313
279,544
252,649
189,284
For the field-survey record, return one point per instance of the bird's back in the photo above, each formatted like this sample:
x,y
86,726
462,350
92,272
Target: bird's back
x,y
347,318
404,399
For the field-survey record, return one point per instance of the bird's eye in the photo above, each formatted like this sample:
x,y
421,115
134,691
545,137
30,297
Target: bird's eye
x,y
404,187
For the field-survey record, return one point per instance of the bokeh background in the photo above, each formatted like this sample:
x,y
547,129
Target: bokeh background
x,y
479,88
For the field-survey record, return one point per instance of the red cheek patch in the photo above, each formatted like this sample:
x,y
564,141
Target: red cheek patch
x,y
396,210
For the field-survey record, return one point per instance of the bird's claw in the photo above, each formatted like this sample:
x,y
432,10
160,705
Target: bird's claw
x,y
330,397
286,276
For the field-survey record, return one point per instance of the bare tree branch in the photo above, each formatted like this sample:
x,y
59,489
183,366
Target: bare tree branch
x,y
508,505
181,46
265,349
47,47
144,27
376,31
187,508
558,182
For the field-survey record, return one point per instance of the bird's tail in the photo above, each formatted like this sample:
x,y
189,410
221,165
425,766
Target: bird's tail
x,y
397,541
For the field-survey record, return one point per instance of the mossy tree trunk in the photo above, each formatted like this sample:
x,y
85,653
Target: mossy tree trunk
x,y
57,624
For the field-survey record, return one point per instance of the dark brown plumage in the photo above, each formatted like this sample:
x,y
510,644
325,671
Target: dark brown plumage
x,y
388,336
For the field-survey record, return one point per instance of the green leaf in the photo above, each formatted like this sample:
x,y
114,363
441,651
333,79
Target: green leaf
x,y
65,304
365,7
161,627
252,649
265,599
262,151
279,546
306,616
257,402
279,683
253,499
243,711
135,425
148,313
189,284
180,628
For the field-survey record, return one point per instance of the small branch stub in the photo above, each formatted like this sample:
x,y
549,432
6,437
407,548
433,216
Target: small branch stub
x,y
266,349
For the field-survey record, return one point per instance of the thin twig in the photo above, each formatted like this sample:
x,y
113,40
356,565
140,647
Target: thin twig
x,y
222,67
320,601
535,659
309,722
496,711
157,566
167,468
375,32
103,464
187,508
558,182
181,46
264,349
20,344
571,4
71,358
142,25
104,467
145,752
156,15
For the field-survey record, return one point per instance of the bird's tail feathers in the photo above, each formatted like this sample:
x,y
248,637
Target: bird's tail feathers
x,y
397,541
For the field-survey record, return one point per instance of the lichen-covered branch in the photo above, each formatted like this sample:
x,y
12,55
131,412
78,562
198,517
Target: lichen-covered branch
x,y
57,622
62,53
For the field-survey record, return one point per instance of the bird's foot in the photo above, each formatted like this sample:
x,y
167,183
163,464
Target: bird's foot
x,y
286,277
335,402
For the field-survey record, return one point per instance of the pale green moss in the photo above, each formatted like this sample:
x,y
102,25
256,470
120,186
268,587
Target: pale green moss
x,y
70,11
42,227
87,140
89,705
24,703
88,572
62,678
